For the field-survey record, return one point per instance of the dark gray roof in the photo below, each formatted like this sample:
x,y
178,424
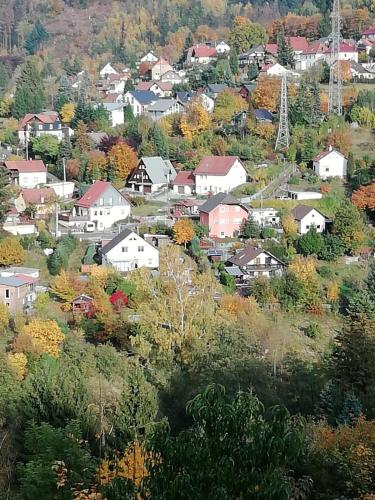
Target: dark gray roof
x,y
263,114
216,88
300,211
157,169
144,96
12,281
161,105
219,199
248,254
358,67
116,240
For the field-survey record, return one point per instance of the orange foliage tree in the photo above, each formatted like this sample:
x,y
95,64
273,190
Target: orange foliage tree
x,y
122,159
364,197
340,139
194,120
97,164
266,93
45,334
11,252
183,231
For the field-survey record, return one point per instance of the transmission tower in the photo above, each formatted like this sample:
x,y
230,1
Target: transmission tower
x,y
335,78
282,141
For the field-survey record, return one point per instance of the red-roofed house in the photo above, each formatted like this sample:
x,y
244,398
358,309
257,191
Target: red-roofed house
x,y
103,205
161,89
319,51
201,54
369,34
330,163
40,199
298,43
219,174
159,68
347,53
35,125
184,182
27,173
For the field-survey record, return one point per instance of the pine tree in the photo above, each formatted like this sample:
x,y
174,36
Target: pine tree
x,y
4,193
29,96
159,139
252,71
350,165
4,79
308,148
65,152
37,36
351,409
250,228
64,93
285,55
233,61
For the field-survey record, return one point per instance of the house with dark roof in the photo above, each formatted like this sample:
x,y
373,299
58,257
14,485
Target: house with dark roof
x,y
128,251
307,218
330,163
218,174
214,89
253,262
26,173
263,116
47,122
184,182
151,174
139,100
162,108
223,214
103,205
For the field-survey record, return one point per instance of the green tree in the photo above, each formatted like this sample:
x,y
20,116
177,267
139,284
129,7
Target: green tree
x,y
246,35
46,146
252,72
4,79
5,194
285,55
311,243
231,450
64,93
350,165
332,248
233,61
349,227
36,38
159,139
28,97
308,147
250,228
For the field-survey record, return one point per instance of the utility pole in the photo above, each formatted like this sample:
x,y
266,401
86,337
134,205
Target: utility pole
x,y
283,137
335,77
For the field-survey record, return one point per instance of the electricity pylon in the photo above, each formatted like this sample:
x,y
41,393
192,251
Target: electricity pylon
x,y
283,137
335,77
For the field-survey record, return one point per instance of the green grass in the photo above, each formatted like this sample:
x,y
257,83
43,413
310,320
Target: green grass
x,y
149,208
36,258
363,142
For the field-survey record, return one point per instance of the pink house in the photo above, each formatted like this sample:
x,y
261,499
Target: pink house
x,y
223,214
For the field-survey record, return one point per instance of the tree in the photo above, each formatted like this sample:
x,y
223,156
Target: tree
x,y
64,93
82,141
5,194
311,243
11,252
4,316
348,226
308,147
194,120
233,61
370,280
333,248
28,97
285,54
364,197
252,72
160,141
350,165
227,104
4,79
266,93
231,450
123,159
36,38
67,112
183,231
65,286
245,34
46,146
97,165
250,228
290,226
46,335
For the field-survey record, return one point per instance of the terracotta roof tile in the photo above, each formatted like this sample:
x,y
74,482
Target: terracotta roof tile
x,y
184,178
26,166
215,165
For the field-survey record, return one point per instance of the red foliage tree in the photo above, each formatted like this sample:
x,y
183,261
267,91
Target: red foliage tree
x,y
119,300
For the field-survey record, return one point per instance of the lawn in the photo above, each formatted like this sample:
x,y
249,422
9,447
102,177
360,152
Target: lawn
x,y
363,142
149,208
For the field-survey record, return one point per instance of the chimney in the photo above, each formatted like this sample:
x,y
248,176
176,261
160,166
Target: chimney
x,y
330,147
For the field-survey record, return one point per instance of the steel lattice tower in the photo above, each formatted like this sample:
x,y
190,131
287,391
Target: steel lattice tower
x,y
282,141
335,78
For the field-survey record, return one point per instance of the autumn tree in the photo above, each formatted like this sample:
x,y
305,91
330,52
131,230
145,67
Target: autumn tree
x,y
266,93
11,252
183,231
364,197
122,159
67,112
290,226
348,226
97,164
246,34
5,193
45,334
194,120
82,142
65,286
4,316
227,104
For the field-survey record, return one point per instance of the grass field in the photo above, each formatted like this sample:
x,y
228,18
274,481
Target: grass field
x,y
363,142
149,208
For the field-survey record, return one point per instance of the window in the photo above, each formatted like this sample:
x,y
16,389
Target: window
x,y
35,179
141,249
50,126
149,262
40,127
96,212
101,202
236,208
318,226
327,169
101,212
307,226
268,261
7,293
124,249
108,212
110,201
222,233
222,209
257,261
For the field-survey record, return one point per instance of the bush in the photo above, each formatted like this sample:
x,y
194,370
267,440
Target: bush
x,y
313,331
326,272
294,180
268,232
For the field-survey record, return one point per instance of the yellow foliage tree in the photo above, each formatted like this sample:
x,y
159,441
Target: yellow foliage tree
x,y
227,104
64,286
123,159
183,231
100,274
67,112
194,120
265,130
11,252
97,164
304,268
4,316
266,93
333,292
45,334
17,362
289,226
236,305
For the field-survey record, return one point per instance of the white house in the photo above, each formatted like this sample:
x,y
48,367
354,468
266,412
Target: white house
x,y
115,111
47,122
222,47
173,77
163,107
319,51
107,70
252,262
103,205
139,100
151,174
330,163
129,251
219,174
184,183
149,57
308,217
265,216
160,67
27,173
201,54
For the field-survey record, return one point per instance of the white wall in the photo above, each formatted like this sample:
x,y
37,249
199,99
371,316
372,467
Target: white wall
x,y
265,217
106,216
313,218
205,184
32,179
63,189
117,117
187,190
127,255
331,165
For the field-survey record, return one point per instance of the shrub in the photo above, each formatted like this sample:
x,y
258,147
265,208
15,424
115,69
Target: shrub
x,y
268,232
313,331
294,180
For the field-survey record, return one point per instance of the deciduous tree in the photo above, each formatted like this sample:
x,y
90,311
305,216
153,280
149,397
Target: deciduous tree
x,y
11,252
183,231
45,334
194,120
123,159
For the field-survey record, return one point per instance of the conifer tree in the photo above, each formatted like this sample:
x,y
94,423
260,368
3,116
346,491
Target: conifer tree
x,y
285,55
4,194
233,61
159,139
4,79
250,228
29,96
64,93
37,36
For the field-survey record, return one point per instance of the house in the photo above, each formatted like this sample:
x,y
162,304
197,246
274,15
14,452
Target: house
x,y
214,89
254,262
201,54
206,100
263,116
274,69
369,34
160,67
112,98
359,72
151,174
293,194
149,57
298,44
265,216
27,173
184,182
83,304
256,55
139,100
221,47
18,288
365,46
103,205
330,163
115,112
189,208
161,89
35,125
308,217
158,240
219,174
107,70
223,214
347,52
173,77
40,201
320,51
116,83
128,251
163,107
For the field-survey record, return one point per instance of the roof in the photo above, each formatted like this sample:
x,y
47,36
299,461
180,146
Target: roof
x,y
202,50
215,165
160,61
116,240
344,47
162,105
219,199
38,196
165,86
184,178
370,31
112,106
111,97
263,114
271,48
144,96
16,281
315,48
300,211
25,166
157,169
45,117
327,152
93,193
144,85
358,67
248,254
216,88
82,298
298,44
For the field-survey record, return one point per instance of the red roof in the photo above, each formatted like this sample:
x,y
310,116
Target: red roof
x,y
271,48
298,44
111,98
144,85
344,47
202,50
161,61
38,196
165,86
42,117
184,178
370,31
367,43
93,193
26,278
325,153
26,166
215,165
315,48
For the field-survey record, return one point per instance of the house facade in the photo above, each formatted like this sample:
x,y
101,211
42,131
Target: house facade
x,y
162,108
151,174
160,67
201,54
115,112
219,174
254,262
39,201
223,214
139,100
35,125
308,217
128,251
18,288
107,70
27,173
330,163
265,216
103,205
184,183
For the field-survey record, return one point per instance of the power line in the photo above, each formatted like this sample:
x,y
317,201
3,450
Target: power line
x,y
335,77
283,137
